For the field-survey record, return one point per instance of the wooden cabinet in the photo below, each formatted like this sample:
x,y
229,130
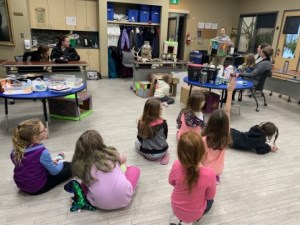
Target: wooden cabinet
x,y
91,15
51,14
70,11
80,15
57,16
39,14
91,56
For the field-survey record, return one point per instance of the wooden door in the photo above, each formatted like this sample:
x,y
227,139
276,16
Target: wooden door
x,y
39,14
81,15
57,16
288,47
91,15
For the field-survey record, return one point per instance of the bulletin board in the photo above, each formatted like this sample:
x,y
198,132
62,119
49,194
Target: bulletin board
x,y
207,30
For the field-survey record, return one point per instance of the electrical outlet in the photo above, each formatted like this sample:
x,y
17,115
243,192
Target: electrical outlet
x,y
22,35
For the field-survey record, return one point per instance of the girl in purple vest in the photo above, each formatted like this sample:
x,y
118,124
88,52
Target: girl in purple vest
x,y
35,171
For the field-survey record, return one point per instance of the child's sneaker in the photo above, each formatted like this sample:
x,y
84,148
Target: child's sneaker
x,y
165,159
165,104
217,180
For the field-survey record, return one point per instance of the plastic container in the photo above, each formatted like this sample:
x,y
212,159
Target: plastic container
x,y
194,73
133,15
144,16
110,5
145,7
110,14
155,17
196,57
155,8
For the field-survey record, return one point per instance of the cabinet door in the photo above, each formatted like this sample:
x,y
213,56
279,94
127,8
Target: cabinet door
x,y
81,15
57,16
39,13
91,15
91,56
70,11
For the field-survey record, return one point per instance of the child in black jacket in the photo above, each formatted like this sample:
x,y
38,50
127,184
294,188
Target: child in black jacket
x,y
256,138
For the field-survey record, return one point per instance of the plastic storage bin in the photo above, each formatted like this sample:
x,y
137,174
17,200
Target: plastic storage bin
x,y
194,73
145,7
196,57
110,14
133,15
155,17
144,16
110,5
155,8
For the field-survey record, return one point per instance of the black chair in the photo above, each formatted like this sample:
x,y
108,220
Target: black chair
x,y
260,87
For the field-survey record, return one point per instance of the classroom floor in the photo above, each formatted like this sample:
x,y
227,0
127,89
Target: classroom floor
x,y
254,189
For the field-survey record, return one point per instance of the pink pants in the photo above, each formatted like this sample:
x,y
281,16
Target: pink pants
x,y
132,174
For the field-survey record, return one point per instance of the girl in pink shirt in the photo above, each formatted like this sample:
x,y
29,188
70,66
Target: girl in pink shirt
x,y
194,184
216,135
106,184
191,117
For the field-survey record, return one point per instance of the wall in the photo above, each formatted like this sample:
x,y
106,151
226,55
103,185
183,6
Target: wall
x,y
245,7
103,26
225,13
20,24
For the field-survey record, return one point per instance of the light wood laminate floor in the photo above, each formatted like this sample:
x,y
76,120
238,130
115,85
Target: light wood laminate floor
x,y
254,189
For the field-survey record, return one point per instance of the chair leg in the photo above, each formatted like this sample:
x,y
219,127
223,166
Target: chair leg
x,y
265,101
252,93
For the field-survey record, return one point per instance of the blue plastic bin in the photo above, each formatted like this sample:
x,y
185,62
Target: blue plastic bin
x,y
110,5
196,57
155,8
133,15
145,7
110,14
155,17
144,16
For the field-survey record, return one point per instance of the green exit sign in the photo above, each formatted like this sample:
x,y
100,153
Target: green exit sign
x,y
174,2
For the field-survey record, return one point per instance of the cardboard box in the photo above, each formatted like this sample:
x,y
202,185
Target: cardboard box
x,y
144,89
212,99
65,107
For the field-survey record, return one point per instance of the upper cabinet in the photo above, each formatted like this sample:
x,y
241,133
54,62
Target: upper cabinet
x,y
91,15
52,14
39,14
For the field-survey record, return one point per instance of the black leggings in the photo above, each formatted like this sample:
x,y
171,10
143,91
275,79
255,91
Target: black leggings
x,y
167,99
53,181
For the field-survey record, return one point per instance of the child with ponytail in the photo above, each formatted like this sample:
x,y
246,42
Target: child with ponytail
x,y
194,184
35,171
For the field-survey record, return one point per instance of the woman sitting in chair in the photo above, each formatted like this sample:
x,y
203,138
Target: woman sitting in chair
x,y
260,67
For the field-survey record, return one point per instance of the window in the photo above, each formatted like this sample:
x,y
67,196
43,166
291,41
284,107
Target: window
x,y
255,29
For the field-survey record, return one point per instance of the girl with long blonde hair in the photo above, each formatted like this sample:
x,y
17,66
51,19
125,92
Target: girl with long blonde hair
x,y
35,171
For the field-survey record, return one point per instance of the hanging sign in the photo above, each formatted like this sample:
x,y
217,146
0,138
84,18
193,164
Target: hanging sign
x,y
174,2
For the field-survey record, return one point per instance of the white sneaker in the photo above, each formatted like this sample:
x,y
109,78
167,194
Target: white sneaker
x,y
165,104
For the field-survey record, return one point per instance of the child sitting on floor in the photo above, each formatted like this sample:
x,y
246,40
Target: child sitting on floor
x,y
162,90
153,133
216,135
35,171
99,167
194,184
191,118
256,138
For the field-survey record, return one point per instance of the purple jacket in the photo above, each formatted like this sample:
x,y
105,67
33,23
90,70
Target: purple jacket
x,y
125,40
30,175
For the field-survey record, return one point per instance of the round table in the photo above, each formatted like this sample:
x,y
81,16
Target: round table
x,y
42,96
